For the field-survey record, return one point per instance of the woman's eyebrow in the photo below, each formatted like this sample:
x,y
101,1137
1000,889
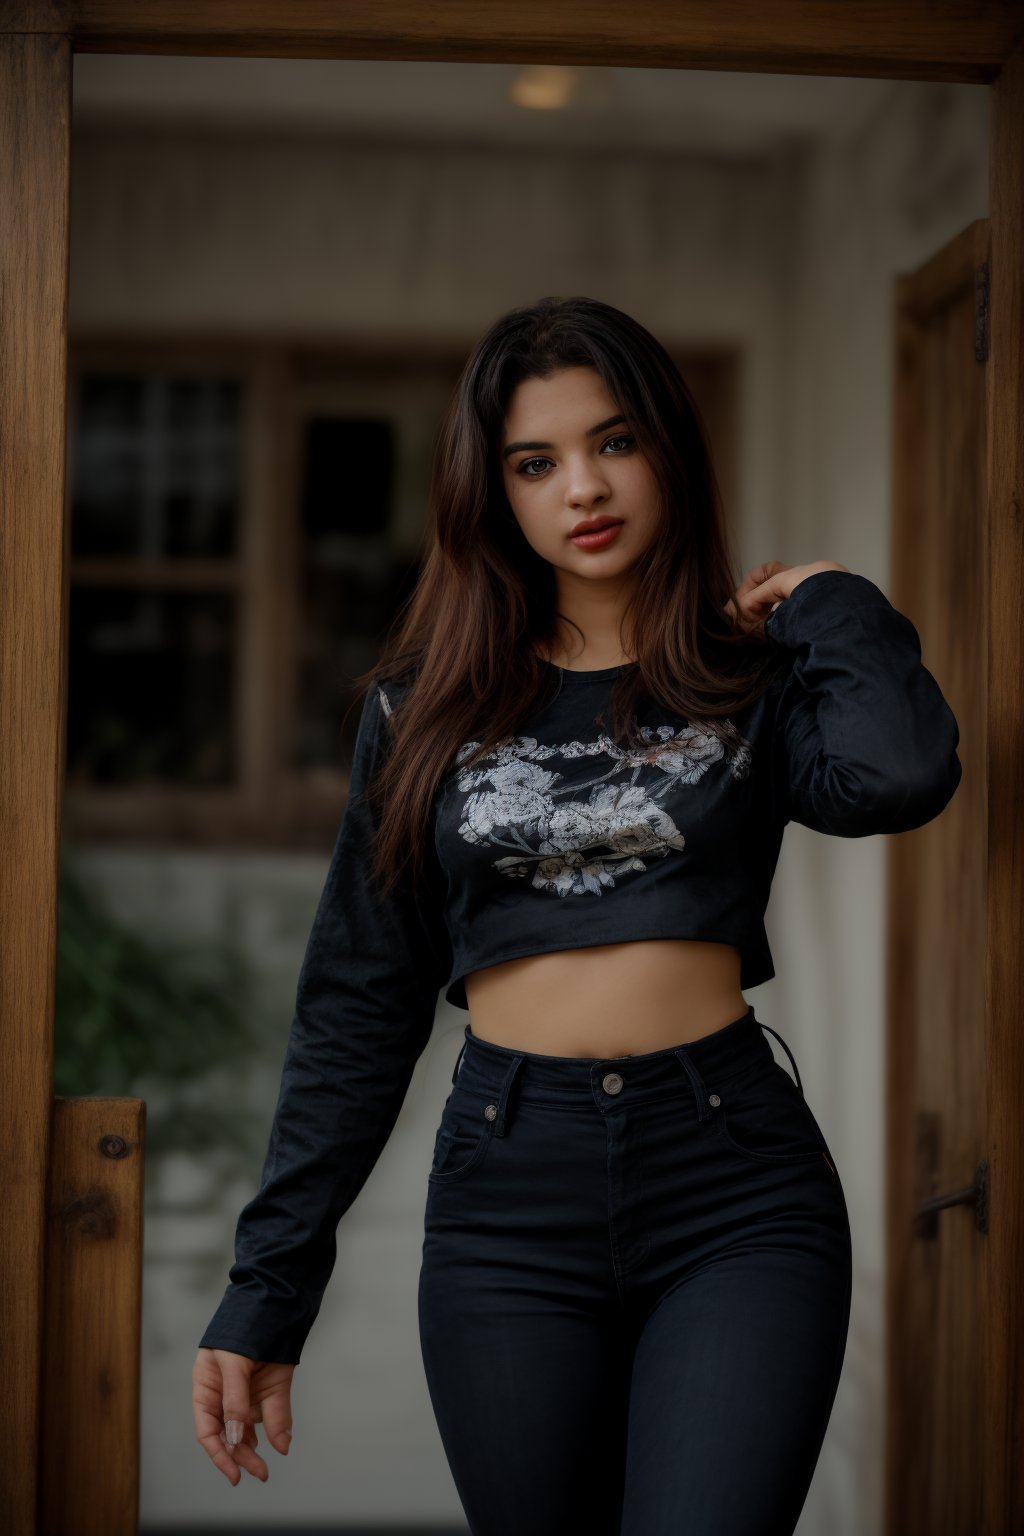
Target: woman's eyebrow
x,y
602,426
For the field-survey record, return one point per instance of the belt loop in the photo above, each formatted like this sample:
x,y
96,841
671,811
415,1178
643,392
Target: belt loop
x,y
703,1108
458,1061
788,1052
500,1118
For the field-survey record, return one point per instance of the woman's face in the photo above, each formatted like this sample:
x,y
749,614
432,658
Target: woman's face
x,y
568,457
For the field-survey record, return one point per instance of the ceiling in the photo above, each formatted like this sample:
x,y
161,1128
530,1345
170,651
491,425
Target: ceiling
x,y
667,109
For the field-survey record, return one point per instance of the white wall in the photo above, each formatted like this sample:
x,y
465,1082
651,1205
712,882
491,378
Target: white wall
x,y
872,206
790,257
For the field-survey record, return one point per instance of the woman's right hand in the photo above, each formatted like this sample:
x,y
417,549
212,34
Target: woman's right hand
x,y
228,1388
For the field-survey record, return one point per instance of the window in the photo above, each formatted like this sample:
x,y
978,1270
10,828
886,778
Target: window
x,y
155,500
244,523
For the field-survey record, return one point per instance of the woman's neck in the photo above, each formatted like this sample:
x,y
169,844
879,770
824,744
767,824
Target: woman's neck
x,y
590,659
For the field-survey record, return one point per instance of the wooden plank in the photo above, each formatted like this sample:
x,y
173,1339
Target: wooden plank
x,y
915,40
89,1422
936,1088
1004,1427
35,122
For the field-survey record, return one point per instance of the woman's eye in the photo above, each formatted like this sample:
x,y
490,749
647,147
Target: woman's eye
x,y
524,467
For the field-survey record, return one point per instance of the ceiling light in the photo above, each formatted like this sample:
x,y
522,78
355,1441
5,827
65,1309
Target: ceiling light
x,y
543,86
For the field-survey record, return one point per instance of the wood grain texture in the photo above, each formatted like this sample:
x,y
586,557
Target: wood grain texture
x,y
915,40
89,1446
1004,960
937,1303
35,120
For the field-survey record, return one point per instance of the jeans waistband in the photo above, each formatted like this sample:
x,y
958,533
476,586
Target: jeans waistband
x,y
711,1059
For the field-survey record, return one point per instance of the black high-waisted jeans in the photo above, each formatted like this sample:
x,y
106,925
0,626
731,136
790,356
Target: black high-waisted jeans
x,y
634,1294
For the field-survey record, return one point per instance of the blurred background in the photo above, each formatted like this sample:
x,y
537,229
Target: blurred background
x,y
278,268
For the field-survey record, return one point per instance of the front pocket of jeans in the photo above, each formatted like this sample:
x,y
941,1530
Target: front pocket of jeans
x,y
462,1139
767,1119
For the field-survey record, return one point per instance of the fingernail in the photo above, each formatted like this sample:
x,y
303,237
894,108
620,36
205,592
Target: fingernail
x,y
234,1429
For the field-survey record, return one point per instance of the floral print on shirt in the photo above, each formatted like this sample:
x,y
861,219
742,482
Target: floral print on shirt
x,y
574,838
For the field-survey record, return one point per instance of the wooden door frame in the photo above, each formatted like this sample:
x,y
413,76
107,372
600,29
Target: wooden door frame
x,y
935,1070
909,40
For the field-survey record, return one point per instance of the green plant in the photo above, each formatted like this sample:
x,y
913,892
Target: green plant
x,y
158,1021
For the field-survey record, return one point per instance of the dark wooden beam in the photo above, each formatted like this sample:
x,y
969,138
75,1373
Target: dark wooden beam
x,y
1003,1475
35,135
914,40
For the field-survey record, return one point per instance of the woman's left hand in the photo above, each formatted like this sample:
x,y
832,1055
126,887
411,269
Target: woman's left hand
x,y
766,586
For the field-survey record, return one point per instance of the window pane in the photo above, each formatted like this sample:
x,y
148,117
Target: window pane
x,y
352,580
156,465
150,693
348,481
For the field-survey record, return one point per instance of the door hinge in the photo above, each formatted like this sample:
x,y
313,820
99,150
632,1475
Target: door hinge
x,y
981,313
975,1195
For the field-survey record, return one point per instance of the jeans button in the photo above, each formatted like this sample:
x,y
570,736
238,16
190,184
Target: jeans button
x,y
611,1082
714,1099
490,1111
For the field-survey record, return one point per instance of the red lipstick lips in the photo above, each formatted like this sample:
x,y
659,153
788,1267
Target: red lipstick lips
x,y
596,532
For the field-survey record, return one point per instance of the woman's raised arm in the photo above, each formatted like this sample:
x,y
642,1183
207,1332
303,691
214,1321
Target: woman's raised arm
x,y
864,739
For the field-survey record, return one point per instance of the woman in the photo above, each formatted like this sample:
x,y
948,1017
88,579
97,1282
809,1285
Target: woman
x,y
573,769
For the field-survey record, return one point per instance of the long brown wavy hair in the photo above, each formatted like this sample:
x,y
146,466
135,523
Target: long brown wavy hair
x,y
469,635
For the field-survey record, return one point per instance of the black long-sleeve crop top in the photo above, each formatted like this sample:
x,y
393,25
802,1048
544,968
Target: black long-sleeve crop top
x,y
560,839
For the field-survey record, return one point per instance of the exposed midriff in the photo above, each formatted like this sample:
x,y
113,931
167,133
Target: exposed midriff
x,y
609,999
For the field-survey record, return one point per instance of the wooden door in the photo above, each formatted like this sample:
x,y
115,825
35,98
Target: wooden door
x,y
938,1303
